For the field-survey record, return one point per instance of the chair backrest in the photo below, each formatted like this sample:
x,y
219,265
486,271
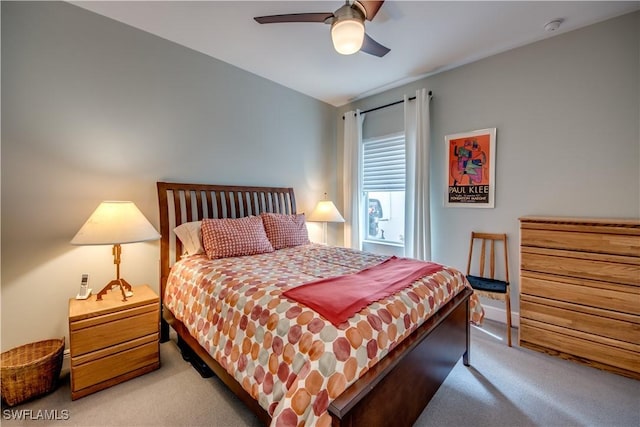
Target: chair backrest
x,y
488,239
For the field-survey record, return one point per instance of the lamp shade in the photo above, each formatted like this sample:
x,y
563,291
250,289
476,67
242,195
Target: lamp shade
x,y
347,35
115,223
325,211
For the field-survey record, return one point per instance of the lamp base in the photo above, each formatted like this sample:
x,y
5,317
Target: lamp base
x,y
124,286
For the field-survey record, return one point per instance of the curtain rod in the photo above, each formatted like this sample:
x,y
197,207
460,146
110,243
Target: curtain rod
x,y
388,105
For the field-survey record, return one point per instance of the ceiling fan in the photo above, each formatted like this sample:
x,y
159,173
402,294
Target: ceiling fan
x,y
347,26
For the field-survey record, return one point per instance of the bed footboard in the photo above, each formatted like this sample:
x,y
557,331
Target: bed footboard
x,y
398,388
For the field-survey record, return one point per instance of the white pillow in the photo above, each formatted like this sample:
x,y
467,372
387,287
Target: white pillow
x,y
190,234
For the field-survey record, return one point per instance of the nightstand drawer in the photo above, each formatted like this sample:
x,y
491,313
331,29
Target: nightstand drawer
x,y
111,340
110,333
110,367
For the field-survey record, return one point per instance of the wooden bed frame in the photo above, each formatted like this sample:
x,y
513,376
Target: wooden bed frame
x,y
396,390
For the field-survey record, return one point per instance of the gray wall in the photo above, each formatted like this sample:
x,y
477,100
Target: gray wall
x,y
95,110
567,115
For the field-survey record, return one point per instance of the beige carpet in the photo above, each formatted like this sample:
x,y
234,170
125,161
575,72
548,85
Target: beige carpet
x,y
504,387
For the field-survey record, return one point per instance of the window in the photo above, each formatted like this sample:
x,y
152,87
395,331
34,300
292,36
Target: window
x,y
383,184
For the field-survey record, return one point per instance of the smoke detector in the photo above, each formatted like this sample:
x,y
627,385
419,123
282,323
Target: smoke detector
x,y
553,25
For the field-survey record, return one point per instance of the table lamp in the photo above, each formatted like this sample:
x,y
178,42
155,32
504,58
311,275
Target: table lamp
x,y
116,223
324,212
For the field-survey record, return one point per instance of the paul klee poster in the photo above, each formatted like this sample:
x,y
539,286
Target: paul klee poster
x,y
471,169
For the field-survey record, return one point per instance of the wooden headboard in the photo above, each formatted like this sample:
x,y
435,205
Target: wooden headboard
x,y
180,203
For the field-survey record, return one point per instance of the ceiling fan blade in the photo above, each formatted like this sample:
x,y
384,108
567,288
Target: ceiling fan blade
x,y
372,47
371,7
294,17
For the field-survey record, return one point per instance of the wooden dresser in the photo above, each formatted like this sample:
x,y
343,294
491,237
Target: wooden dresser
x,y
580,290
113,341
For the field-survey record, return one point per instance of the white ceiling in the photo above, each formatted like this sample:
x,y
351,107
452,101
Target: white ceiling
x,y
425,37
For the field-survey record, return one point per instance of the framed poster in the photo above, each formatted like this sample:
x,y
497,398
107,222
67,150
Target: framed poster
x,y
471,169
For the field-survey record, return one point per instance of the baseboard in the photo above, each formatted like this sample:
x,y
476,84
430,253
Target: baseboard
x,y
66,360
500,315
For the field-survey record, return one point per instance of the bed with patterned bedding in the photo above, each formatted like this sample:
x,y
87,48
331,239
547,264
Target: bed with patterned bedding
x,y
287,362
289,358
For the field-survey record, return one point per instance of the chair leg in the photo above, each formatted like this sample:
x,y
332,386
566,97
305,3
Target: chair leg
x,y
507,301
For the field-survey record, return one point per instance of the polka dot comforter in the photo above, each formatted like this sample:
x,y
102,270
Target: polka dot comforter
x,y
290,359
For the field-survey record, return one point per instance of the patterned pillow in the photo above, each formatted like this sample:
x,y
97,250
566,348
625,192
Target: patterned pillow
x,y
229,237
190,235
285,231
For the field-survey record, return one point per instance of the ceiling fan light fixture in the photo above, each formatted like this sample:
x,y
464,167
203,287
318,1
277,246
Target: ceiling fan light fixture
x,y
347,35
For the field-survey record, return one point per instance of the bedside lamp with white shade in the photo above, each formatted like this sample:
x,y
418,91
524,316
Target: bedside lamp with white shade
x,y
116,223
324,212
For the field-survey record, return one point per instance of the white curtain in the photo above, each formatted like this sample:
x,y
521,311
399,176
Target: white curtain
x,y
352,183
417,212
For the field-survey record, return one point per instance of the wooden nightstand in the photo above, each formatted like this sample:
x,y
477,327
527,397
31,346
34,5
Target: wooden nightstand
x,y
113,341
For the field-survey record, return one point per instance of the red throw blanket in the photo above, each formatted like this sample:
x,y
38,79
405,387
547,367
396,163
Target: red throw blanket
x,y
339,298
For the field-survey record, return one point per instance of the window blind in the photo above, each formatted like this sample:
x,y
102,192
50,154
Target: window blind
x,y
383,164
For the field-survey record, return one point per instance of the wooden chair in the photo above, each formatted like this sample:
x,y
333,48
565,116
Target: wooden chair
x,y
485,284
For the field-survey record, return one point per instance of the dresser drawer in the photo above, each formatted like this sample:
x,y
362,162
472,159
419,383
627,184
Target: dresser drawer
x,y
103,332
575,317
617,298
605,268
110,367
581,346
617,244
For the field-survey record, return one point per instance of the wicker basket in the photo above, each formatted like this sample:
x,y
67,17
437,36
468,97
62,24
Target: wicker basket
x,y
31,370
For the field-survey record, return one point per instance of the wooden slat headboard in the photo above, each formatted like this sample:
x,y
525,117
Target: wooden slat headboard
x,y
180,203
